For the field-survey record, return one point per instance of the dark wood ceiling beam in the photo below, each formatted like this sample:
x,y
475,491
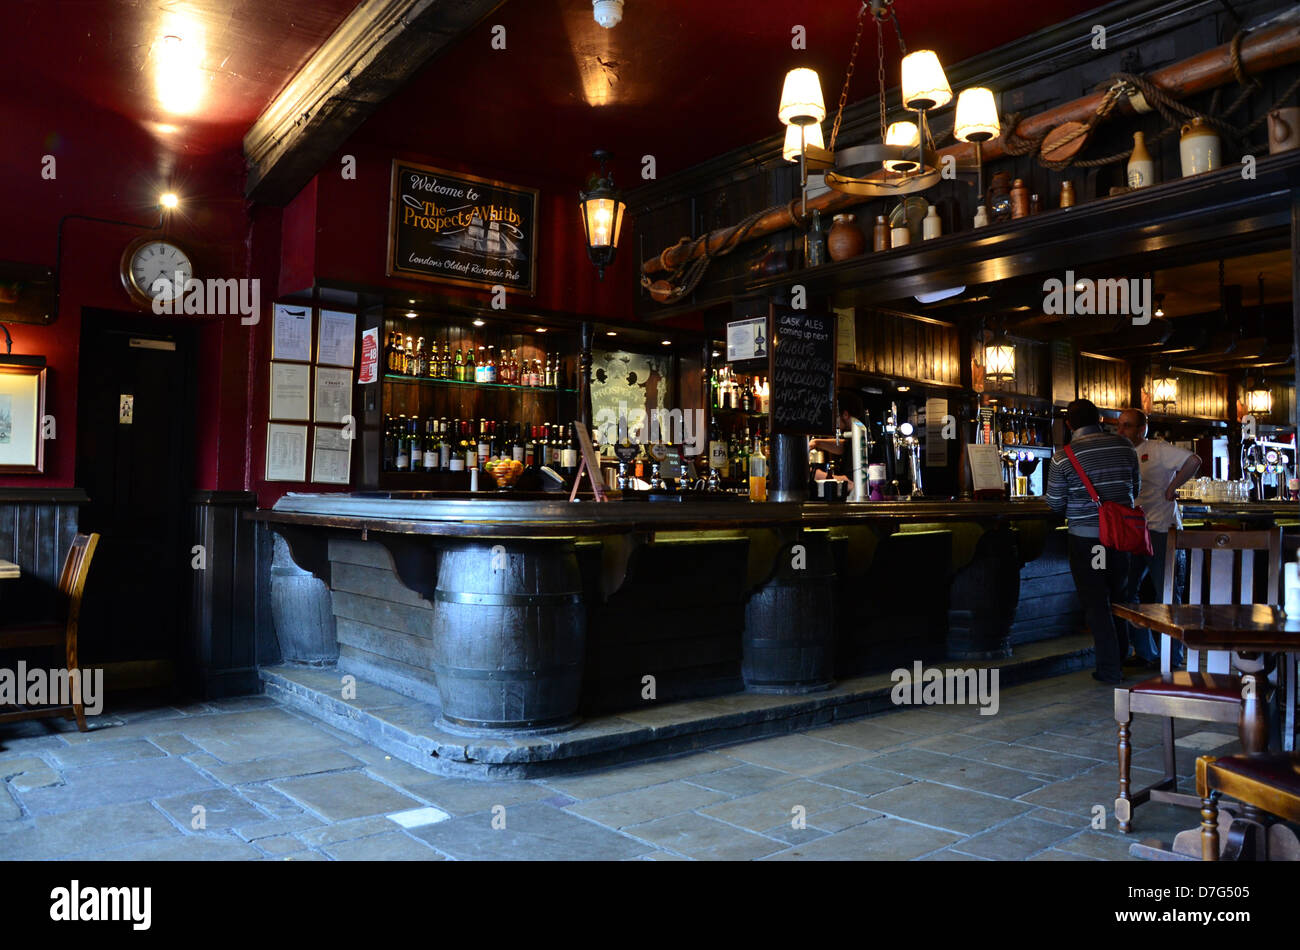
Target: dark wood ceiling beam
x,y
380,46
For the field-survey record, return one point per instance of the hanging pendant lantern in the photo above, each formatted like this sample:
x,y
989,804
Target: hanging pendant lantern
x,y
602,216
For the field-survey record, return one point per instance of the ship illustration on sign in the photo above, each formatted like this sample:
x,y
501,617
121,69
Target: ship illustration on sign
x,y
493,238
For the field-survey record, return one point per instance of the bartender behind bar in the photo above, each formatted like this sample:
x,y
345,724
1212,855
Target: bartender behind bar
x,y
852,450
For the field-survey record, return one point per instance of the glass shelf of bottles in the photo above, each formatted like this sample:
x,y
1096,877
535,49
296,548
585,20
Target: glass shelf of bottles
x,y
468,362
441,381
739,393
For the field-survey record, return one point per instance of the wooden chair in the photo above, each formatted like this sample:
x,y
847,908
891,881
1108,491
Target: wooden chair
x,y
1269,783
1221,570
72,584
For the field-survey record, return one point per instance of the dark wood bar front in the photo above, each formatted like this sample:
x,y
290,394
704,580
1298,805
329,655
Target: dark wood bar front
x,y
517,594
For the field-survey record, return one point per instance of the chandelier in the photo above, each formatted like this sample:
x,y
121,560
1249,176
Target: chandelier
x,y
904,161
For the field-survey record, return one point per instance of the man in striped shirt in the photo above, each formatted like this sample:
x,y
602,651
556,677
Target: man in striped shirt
x,y
1100,573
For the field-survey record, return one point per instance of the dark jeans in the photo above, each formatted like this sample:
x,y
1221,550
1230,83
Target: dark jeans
x,y
1098,588
1145,643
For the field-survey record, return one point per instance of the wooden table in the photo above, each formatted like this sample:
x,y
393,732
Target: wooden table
x,y
9,571
1251,628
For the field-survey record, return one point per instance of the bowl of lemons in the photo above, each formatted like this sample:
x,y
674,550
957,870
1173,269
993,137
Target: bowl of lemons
x,y
505,471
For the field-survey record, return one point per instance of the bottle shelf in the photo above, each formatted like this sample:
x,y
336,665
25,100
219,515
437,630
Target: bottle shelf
x,y
437,381
749,413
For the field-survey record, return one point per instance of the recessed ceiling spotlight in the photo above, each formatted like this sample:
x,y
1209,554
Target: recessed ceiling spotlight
x,y
1079,285
666,342
903,389
411,314
478,322
716,353
610,333
169,200
541,329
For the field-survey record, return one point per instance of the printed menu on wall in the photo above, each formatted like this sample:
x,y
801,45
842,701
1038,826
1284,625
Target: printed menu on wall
x,y
336,345
291,333
461,229
803,372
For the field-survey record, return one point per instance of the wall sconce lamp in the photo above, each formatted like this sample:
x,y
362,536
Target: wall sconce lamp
x,y
602,215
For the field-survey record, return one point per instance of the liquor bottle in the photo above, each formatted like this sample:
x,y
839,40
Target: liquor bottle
x,y
484,446
409,362
403,447
390,444
471,371
717,449
469,445
388,353
745,400
491,367
518,450
460,366
758,470
569,454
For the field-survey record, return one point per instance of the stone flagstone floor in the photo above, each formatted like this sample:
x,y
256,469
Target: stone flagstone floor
x,y
246,779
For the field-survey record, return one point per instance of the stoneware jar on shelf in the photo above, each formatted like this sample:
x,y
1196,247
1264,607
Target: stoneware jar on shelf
x,y
1198,148
845,239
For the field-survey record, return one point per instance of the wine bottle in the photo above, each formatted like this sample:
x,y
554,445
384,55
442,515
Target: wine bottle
x,y
431,444
403,447
569,454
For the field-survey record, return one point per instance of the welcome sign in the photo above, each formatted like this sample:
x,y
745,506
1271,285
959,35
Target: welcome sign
x,y
460,229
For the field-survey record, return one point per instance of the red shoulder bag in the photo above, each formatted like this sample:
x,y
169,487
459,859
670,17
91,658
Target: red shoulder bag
x,y
1123,528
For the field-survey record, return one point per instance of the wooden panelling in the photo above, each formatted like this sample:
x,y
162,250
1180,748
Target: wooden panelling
x,y
906,347
36,530
224,601
1104,381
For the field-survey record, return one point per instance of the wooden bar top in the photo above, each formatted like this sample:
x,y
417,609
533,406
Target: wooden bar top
x,y
442,514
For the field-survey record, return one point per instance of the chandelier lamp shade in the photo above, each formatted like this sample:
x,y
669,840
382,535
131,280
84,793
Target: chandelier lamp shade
x,y
799,137
902,135
977,116
924,84
602,208
801,98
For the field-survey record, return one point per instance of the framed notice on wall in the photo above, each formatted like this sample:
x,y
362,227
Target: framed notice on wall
x,y
333,402
331,457
336,338
286,452
291,391
291,333
460,229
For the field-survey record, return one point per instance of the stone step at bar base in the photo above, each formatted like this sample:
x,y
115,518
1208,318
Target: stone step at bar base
x,y
406,728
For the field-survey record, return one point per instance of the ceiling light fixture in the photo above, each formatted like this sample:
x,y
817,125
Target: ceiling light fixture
x,y
478,322
1164,392
610,333
1000,359
541,329
904,160
608,13
1259,402
169,200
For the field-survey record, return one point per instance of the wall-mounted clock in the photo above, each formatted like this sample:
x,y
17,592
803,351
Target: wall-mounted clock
x,y
149,260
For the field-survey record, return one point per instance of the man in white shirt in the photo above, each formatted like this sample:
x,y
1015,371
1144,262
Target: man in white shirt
x,y
1165,468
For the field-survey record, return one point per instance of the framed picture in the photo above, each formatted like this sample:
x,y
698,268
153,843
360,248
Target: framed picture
x,y
333,402
22,407
331,457
461,229
286,453
336,335
291,333
291,392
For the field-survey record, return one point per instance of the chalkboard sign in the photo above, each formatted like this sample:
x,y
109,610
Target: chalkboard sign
x,y
459,229
803,372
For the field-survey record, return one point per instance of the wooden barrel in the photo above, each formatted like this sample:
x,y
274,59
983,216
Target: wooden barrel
x,y
301,612
509,631
789,642
984,597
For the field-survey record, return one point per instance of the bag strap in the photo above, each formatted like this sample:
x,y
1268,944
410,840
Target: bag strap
x,y
1087,483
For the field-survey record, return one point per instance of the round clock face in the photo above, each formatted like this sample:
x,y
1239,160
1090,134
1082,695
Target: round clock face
x,y
154,269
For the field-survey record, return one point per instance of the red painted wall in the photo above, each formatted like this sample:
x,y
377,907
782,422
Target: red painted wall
x,y
108,167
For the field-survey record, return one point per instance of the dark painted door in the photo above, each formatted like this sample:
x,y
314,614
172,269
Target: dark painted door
x,y
135,422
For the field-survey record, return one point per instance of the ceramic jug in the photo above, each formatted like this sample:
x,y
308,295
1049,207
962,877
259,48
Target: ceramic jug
x,y
1283,130
1198,148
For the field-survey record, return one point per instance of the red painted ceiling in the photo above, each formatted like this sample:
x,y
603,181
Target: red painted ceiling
x,y
107,54
681,79
684,80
